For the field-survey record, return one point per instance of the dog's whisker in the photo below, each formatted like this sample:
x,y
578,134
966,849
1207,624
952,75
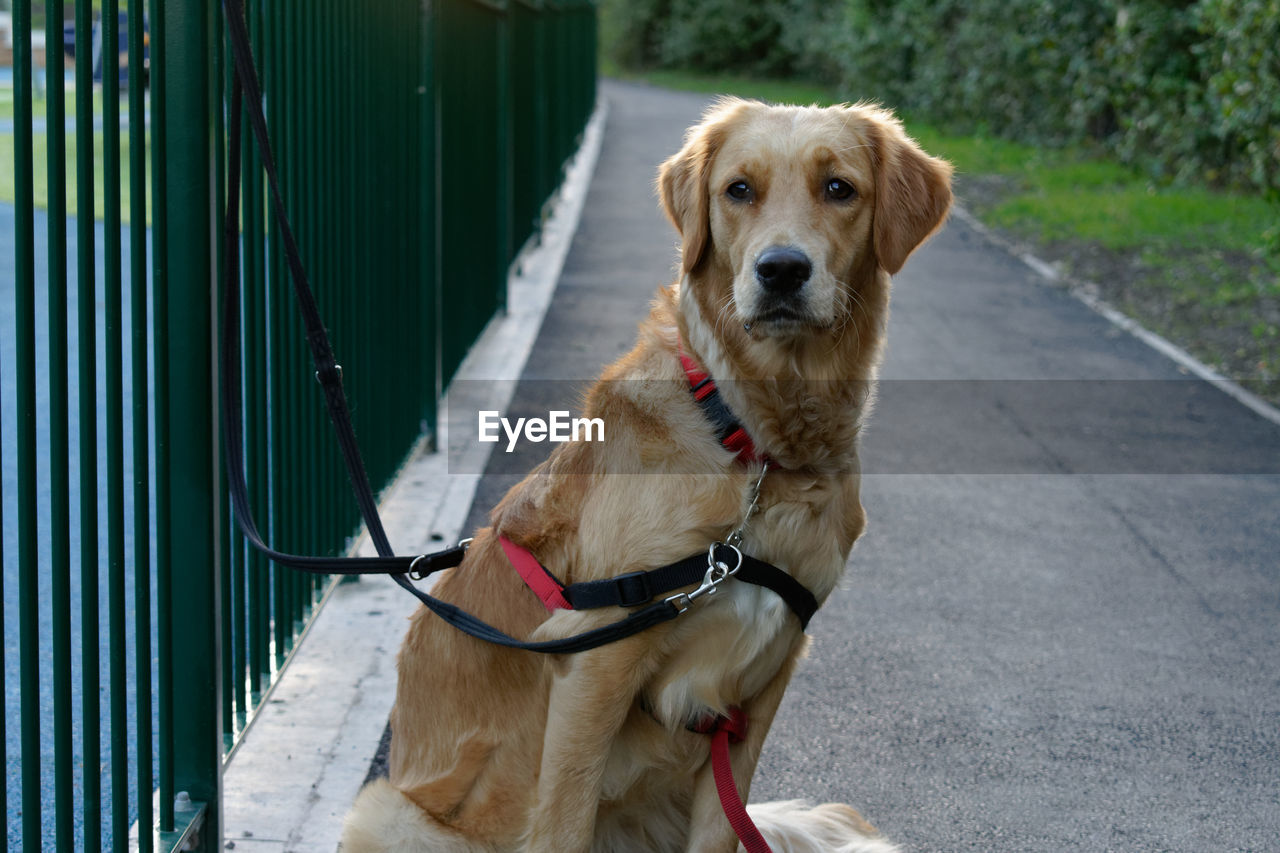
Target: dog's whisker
x,y
857,303
723,318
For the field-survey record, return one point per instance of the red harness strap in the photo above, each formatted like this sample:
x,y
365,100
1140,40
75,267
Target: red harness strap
x,y
537,578
731,433
724,731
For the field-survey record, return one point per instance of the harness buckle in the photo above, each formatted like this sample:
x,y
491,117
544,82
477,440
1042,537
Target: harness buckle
x,y
633,589
718,571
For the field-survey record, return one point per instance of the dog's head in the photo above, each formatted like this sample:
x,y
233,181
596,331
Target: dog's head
x,y
787,209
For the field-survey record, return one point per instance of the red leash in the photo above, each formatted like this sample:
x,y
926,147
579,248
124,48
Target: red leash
x,y
724,731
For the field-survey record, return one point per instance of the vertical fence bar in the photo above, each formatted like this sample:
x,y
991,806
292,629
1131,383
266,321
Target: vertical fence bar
x,y
59,474
114,376
25,406
290,339
259,565
193,592
506,245
141,433
272,304
237,611
280,73
339,227
87,386
311,463
431,124
340,247
363,233
310,144
251,221
160,384
229,539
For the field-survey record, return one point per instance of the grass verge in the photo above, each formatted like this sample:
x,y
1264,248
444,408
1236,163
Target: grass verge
x,y
1200,267
40,157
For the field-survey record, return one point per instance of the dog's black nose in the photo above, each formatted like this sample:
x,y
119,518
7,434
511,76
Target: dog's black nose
x,y
783,270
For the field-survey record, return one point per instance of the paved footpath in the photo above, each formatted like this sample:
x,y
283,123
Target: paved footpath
x,y
1060,631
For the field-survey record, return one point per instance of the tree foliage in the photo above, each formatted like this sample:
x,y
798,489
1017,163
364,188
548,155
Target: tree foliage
x,y
1186,90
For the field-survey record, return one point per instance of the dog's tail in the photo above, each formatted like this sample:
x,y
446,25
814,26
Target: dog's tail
x,y
384,820
792,826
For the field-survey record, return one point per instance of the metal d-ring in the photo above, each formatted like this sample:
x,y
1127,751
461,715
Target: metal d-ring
x,y
717,573
413,572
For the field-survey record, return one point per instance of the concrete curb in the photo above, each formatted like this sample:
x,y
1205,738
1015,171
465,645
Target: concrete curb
x,y
289,783
1087,293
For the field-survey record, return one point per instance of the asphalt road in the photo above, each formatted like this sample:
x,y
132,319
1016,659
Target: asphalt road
x,y
1060,630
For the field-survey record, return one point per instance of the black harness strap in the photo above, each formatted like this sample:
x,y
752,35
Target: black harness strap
x,y
636,588
723,421
329,374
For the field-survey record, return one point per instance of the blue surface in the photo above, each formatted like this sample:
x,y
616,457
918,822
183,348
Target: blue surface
x,y
8,480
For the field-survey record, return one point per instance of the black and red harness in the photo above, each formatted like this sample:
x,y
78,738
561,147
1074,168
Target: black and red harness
x,y
722,561
634,590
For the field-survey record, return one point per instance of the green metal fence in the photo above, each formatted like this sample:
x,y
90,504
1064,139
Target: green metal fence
x,y
418,143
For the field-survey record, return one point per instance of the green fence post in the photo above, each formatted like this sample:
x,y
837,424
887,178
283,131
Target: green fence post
x,y
433,121
428,194
506,245
59,455
145,781
192,431
86,380
25,407
112,287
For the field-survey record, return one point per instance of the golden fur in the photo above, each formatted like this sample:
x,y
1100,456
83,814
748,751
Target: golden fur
x,y
500,750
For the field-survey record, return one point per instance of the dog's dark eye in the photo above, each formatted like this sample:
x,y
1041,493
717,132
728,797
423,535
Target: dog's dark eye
x,y
739,190
840,190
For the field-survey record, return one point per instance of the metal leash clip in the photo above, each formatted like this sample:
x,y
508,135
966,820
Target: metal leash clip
x,y
718,572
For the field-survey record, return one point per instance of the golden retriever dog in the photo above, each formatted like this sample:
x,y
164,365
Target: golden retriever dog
x,y
792,220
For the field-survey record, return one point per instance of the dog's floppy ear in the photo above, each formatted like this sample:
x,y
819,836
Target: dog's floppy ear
x,y
913,193
683,182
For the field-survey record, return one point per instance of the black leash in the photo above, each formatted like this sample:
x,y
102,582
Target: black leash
x,y
329,374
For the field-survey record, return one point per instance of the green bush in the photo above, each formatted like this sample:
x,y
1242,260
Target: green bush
x,y
1185,90
1006,67
1155,85
1241,54
765,37
631,31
